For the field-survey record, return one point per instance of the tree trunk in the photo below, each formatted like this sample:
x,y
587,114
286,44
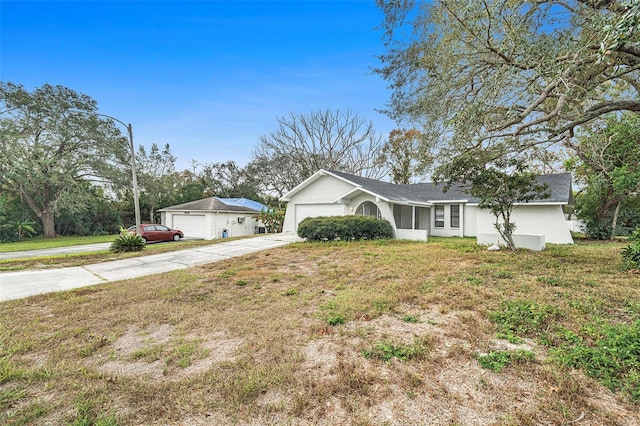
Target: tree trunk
x,y
604,209
48,224
614,225
46,215
503,231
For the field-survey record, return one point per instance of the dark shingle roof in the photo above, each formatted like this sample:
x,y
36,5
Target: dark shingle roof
x,y
210,204
559,186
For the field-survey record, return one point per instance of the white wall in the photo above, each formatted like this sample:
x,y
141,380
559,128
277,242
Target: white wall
x,y
214,223
576,226
447,230
532,220
470,220
324,190
229,221
412,234
289,224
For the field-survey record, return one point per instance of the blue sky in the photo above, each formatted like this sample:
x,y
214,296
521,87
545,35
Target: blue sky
x,y
207,77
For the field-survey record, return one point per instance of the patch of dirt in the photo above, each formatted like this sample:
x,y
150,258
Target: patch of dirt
x,y
450,389
122,363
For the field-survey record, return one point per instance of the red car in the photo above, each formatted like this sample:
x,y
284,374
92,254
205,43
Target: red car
x,y
152,232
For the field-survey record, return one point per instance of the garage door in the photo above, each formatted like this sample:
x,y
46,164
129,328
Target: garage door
x,y
191,225
315,210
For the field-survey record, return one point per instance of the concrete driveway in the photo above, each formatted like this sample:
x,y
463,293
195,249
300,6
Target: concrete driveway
x,y
17,285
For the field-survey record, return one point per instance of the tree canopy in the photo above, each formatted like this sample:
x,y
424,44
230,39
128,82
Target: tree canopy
x,y
405,155
156,177
499,185
513,72
52,142
607,160
304,143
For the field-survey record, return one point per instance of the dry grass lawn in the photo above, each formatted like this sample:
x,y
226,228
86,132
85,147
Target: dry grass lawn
x,y
373,333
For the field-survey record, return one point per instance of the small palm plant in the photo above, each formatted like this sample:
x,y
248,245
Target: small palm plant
x,y
126,242
631,253
22,228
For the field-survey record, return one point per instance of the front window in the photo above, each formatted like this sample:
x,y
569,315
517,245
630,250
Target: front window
x,y
368,209
439,211
455,216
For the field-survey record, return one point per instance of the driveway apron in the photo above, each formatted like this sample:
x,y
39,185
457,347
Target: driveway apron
x,y
17,285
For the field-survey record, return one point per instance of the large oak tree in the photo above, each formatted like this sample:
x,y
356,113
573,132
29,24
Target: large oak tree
x,y
52,142
513,72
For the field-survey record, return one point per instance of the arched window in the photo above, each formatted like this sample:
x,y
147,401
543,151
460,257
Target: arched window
x,y
368,209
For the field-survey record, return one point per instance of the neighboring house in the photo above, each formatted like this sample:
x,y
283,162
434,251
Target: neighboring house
x,y
210,217
418,210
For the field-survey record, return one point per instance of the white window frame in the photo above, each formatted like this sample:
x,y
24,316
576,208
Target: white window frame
x,y
364,209
438,210
455,207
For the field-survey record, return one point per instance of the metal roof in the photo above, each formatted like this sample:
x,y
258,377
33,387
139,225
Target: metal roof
x,y
244,202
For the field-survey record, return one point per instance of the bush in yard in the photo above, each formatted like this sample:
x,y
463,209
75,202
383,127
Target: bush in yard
x,y
126,242
344,228
631,253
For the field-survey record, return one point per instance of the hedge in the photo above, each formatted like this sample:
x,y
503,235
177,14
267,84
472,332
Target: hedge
x,y
344,228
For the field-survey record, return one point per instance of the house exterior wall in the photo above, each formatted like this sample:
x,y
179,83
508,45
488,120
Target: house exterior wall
x,y
322,191
317,199
296,212
204,219
470,214
234,227
212,223
325,189
547,220
447,230
322,197
385,209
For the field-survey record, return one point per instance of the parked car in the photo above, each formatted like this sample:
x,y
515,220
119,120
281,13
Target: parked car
x,y
152,232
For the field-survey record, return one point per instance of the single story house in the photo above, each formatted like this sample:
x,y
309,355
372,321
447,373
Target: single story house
x,y
418,210
209,218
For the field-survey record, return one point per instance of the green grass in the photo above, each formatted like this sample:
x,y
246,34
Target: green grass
x,y
496,361
387,350
523,318
410,318
608,352
46,243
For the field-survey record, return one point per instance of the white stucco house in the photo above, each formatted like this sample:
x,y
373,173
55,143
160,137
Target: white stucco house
x,y
209,218
418,210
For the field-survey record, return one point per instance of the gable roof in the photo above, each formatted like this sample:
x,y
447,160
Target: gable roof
x,y
218,204
559,186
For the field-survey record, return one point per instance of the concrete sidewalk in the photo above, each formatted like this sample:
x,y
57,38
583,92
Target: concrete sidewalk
x,y
17,285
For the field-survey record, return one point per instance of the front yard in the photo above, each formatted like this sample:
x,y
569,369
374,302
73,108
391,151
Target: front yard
x,y
382,332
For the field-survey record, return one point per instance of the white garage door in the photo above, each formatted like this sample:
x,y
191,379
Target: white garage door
x,y
191,225
315,210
